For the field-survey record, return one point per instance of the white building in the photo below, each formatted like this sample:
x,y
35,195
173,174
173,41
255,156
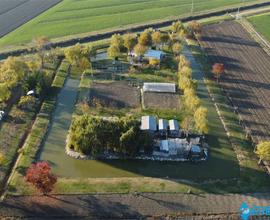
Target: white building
x,y
150,54
163,126
159,87
174,127
149,123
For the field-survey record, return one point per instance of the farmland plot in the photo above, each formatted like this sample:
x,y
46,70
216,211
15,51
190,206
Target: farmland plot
x,y
161,100
247,79
114,95
14,13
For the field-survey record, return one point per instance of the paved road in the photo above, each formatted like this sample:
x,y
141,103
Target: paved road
x,y
127,205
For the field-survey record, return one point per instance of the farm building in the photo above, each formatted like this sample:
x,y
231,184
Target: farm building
x,y
150,54
172,147
174,128
149,123
163,126
159,87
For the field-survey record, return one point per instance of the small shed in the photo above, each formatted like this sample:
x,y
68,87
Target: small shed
x,y
150,54
159,87
174,128
154,54
163,126
149,123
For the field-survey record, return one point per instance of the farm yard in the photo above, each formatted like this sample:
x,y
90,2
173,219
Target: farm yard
x,y
74,17
16,13
262,24
246,80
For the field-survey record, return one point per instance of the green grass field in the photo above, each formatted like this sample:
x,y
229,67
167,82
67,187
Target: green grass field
x,y
75,17
262,24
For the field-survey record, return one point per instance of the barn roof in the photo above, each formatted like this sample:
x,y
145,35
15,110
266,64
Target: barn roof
x,y
149,123
159,87
174,126
163,124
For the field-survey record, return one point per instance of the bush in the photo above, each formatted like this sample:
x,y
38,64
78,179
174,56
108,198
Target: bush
x,y
27,102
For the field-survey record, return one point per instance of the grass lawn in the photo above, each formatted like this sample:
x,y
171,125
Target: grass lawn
x,y
262,24
75,17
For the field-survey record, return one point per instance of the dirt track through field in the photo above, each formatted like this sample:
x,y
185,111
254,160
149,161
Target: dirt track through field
x,y
247,77
14,13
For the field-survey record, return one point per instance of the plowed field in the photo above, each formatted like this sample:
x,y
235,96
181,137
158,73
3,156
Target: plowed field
x,y
247,77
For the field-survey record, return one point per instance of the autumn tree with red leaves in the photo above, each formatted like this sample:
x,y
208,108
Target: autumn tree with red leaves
x,y
40,175
218,69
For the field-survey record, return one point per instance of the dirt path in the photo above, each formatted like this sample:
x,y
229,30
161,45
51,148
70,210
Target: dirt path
x,y
127,205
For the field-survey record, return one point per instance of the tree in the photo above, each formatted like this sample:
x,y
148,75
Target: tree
x,y
145,38
117,40
187,83
5,92
201,121
154,62
27,102
186,71
192,101
187,125
130,40
41,177
263,150
156,38
183,62
177,48
165,38
78,56
177,26
114,52
194,27
2,158
128,142
140,49
41,44
218,69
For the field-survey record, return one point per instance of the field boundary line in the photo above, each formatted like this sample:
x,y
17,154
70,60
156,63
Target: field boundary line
x,y
258,37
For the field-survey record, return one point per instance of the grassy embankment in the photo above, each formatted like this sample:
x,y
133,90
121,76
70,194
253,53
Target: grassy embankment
x,y
75,17
262,24
36,136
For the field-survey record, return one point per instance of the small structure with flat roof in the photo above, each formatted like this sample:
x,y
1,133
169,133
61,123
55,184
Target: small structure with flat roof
x,y
174,128
163,126
149,123
159,87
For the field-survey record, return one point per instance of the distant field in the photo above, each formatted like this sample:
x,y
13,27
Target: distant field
x,y
262,24
74,17
14,13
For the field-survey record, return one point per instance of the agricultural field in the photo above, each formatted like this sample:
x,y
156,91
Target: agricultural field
x,y
161,101
74,17
246,79
262,24
16,13
114,95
